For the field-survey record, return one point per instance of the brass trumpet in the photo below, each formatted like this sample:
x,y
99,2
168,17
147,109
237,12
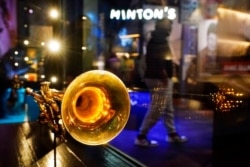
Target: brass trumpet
x,y
94,108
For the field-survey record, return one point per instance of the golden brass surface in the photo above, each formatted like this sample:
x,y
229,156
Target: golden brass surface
x,y
95,107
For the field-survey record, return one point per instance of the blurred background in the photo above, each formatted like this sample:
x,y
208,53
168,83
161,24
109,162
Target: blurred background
x,y
57,40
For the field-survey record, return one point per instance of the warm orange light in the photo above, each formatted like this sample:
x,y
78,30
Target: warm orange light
x,y
130,36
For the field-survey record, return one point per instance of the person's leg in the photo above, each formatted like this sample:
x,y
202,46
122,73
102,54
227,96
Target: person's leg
x,y
168,117
157,104
152,115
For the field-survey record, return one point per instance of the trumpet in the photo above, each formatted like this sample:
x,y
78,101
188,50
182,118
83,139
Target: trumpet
x,y
93,109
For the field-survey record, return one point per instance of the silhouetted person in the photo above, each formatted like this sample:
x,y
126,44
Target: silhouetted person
x,y
158,76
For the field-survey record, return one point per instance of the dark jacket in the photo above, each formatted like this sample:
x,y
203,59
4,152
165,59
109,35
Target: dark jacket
x,y
157,67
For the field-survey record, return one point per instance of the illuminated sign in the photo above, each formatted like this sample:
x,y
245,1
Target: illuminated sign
x,y
146,14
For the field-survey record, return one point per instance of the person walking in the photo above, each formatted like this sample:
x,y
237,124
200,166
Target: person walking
x,y
158,76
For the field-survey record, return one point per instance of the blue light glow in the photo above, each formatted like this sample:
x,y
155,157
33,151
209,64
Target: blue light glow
x,y
125,42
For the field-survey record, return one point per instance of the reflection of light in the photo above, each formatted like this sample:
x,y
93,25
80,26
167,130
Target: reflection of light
x,y
26,42
26,76
31,11
92,17
240,15
99,64
42,43
42,76
53,79
54,46
134,54
120,54
54,14
130,36
26,58
84,48
225,99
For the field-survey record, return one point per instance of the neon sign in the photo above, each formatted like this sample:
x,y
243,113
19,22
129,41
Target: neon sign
x,y
146,14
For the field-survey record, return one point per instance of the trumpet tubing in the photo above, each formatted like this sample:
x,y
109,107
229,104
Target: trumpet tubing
x,y
95,107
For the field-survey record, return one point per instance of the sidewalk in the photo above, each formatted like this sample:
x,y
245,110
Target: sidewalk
x,y
192,121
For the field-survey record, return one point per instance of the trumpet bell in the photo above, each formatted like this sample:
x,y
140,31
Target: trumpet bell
x,y
95,107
